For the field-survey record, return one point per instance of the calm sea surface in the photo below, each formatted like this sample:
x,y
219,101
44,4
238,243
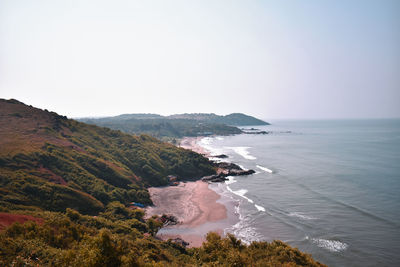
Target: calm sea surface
x,y
330,188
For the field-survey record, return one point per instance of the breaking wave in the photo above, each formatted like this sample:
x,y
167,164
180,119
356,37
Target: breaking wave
x,y
331,245
242,151
260,208
301,216
265,169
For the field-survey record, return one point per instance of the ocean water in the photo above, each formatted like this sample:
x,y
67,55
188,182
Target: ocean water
x,y
330,188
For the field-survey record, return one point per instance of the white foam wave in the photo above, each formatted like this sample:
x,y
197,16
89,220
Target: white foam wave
x,y
265,169
331,245
259,208
243,168
241,193
243,230
242,151
230,180
219,138
301,216
206,143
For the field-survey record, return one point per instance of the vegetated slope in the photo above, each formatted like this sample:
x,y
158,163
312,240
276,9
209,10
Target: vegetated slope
x,y
235,119
51,162
120,237
160,128
179,125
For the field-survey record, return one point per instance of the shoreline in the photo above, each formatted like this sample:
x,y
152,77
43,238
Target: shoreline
x,y
198,208
191,143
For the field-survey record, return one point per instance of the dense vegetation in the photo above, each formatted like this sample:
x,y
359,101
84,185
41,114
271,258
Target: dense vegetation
x,y
236,119
177,125
73,182
120,237
51,162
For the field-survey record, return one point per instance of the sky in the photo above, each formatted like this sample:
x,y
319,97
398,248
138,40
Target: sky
x,y
299,59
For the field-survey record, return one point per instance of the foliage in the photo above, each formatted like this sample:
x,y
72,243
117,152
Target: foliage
x,y
178,125
165,127
74,181
74,239
53,163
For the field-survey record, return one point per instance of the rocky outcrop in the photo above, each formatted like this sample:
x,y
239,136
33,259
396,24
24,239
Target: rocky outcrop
x,y
222,156
226,169
216,178
179,241
257,132
168,219
228,166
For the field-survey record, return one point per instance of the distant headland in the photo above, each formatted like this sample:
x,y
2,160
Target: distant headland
x,y
178,125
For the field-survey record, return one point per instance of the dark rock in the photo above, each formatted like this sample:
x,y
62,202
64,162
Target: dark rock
x,y
228,166
180,241
251,129
168,219
221,177
216,178
222,156
240,172
259,132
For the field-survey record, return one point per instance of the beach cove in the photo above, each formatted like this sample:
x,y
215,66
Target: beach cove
x,y
198,206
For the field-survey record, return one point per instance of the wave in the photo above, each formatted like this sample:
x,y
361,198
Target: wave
x,y
242,151
241,193
265,169
301,216
243,229
206,142
331,245
260,208
231,180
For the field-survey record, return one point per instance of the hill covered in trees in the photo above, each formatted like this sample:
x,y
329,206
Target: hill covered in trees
x,y
178,125
52,162
65,187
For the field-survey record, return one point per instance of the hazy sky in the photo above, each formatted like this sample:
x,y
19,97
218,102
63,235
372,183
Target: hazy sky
x,y
271,59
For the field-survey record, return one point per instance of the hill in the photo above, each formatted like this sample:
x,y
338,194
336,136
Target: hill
x,y
234,119
64,190
52,162
179,125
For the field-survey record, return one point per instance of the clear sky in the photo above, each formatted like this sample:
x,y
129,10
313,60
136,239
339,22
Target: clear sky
x,y
272,59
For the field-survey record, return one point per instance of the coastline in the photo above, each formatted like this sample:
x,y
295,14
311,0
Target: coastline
x,y
198,208
191,143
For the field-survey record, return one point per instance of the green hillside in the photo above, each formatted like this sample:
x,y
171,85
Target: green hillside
x,y
177,126
64,193
51,162
234,119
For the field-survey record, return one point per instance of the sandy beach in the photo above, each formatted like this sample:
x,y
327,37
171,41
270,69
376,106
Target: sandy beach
x,y
191,143
194,204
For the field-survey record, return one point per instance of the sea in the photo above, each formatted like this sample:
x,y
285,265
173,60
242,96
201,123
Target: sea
x,y
328,187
